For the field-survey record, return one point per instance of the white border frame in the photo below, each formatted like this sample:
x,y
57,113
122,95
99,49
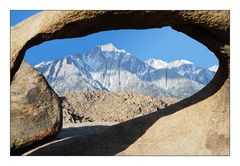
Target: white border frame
x,y
5,8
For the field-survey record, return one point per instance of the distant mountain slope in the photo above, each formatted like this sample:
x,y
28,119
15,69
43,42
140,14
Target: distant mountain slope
x,y
187,69
107,68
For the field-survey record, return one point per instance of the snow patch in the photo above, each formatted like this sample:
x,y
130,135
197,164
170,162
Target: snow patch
x,y
111,48
213,68
160,64
157,63
42,64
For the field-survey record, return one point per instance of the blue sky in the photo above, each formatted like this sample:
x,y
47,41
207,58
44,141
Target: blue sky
x,y
165,43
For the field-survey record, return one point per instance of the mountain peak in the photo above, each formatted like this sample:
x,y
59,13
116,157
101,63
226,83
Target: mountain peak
x,y
213,68
155,60
182,61
156,63
108,47
160,64
111,48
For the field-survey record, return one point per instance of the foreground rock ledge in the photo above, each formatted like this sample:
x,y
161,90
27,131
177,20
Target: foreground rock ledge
x,y
35,108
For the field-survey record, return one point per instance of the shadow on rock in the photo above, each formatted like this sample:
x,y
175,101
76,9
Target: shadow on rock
x,y
80,131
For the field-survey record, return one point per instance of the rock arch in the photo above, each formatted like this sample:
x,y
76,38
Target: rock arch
x,y
208,27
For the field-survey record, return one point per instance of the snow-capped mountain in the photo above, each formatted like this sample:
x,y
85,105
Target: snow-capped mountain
x,y
213,68
107,68
160,64
185,68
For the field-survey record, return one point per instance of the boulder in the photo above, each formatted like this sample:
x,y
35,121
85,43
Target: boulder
x,y
35,108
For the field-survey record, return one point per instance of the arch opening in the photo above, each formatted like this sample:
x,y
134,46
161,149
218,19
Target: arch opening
x,y
210,32
124,78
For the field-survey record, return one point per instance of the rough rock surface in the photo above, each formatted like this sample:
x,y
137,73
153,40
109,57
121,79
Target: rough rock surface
x,y
70,115
196,125
108,106
200,129
35,108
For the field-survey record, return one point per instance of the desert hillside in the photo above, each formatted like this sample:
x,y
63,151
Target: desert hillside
x,y
102,106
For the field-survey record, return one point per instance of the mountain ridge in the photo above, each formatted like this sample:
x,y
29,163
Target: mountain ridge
x,y
108,68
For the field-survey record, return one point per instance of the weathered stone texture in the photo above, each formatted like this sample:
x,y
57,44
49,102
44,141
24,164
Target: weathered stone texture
x,y
35,108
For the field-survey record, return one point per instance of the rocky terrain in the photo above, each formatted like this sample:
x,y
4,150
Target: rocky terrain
x,y
102,106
